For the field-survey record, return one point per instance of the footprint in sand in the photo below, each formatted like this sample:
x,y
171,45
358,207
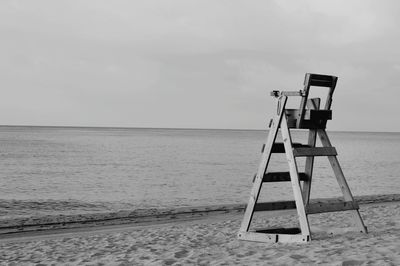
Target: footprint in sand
x,y
169,261
297,257
181,254
352,262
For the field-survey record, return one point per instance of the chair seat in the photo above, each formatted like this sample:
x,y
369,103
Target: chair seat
x,y
312,118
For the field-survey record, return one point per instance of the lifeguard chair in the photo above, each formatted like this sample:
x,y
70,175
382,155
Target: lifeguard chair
x,y
310,116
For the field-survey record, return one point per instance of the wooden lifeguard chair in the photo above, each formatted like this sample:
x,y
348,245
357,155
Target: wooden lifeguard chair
x,y
312,118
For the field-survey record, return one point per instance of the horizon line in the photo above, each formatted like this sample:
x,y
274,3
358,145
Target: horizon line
x,y
178,128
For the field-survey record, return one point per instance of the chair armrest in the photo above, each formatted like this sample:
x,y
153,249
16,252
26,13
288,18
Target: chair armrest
x,y
287,93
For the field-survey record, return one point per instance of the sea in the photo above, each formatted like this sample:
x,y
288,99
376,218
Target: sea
x,y
79,169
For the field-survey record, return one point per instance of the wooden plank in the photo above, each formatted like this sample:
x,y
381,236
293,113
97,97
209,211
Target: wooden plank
x,y
312,137
322,77
319,115
257,237
314,208
328,101
303,101
294,177
281,230
279,147
313,115
336,167
320,83
316,151
266,155
322,80
341,180
275,206
282,177
307,124
274,238
286,93
311,208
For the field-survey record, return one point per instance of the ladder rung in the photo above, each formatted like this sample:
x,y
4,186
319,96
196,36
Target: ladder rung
x,y
314,151
279,147
273,238
274,206
309,124
311,208
322,207
282,176
280,230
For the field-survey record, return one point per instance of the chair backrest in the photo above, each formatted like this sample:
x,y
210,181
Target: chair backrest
x,y
316,80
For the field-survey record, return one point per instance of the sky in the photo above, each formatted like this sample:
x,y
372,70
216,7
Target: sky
x,y
195,64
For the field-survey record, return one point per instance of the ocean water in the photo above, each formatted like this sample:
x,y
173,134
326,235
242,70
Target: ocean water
x,y
166,168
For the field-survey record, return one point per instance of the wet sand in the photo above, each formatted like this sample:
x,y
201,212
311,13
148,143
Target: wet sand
x,y
212,241
25,216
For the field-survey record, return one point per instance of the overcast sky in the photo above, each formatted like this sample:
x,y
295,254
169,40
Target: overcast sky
x,y
196,64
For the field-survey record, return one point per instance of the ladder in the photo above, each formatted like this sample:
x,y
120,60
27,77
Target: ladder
x,y
310,117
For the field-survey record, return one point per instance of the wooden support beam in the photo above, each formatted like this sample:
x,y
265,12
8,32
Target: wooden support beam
x,y
275,206
313,119
311,208
309,114
279,147
282,177
294,177
320,207
266,156
274,238
280,230
286,93
312,136
312,104
316,151
341,180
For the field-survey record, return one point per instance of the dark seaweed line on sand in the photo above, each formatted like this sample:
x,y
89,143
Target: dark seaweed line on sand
x,y
143,216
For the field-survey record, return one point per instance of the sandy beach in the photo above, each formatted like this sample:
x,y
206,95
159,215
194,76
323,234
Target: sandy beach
x,y
212,241
183,132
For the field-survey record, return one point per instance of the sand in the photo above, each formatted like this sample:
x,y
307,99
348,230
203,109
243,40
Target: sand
x,y
25,216
212,241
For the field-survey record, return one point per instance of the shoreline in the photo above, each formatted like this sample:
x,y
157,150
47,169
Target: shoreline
x,y
143,216
213,241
